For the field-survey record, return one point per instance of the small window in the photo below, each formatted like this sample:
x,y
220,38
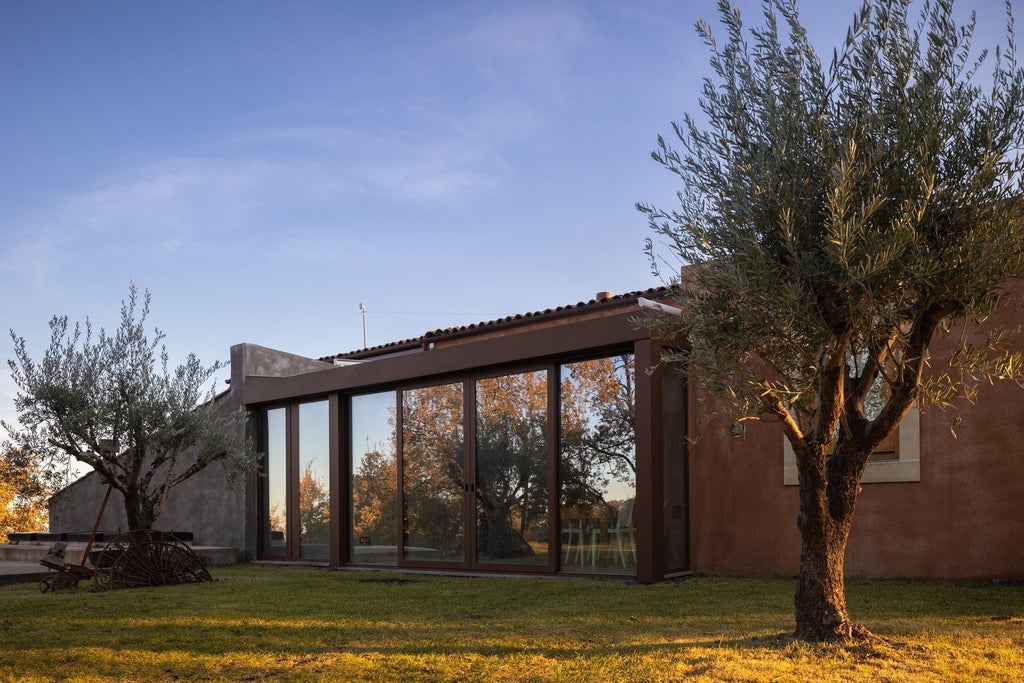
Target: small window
x,y
897,458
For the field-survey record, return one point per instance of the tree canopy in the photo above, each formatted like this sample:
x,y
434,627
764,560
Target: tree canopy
x,y
26,483
832,223
113,402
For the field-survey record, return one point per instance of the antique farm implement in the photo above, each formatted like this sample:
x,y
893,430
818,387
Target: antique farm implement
x,y
144,557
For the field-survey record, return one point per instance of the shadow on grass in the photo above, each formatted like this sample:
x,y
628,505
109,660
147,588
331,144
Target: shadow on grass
x,y
208,637
299,612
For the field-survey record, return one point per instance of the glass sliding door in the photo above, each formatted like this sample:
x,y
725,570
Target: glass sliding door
x,y
597,466
274,524
314,489
433,480
373,534
511,497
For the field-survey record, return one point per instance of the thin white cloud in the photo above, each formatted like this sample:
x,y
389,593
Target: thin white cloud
x,y
164,205
432,162
179,206
419,152
534,46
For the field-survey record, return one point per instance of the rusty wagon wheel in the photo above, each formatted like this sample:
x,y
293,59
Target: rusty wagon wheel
x,y
147,558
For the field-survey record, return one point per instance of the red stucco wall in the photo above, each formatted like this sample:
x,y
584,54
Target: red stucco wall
x,y
963,520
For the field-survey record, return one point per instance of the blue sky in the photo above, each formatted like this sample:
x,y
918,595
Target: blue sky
x,y
265,167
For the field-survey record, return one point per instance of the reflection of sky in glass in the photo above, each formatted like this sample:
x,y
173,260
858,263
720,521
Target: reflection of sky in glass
x,y
371,425
313,437
276,440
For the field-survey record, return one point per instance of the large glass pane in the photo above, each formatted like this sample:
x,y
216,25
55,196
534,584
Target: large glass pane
x,y
432,473
597,466
275,483
373,537
314,487
511,469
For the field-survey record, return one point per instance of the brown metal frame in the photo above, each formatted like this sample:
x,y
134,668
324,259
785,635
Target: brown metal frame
x,y
543,348
292,522
338,474
530,346
554,467
647,512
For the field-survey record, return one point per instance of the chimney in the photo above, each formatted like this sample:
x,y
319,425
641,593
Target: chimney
x,y
603,296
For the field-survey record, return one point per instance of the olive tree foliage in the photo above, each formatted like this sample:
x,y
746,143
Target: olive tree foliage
x,y
113,402
834,221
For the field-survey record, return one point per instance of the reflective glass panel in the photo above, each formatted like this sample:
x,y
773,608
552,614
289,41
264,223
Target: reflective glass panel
x,y
314,486
597,466
373,535
275,483
432,473
511,469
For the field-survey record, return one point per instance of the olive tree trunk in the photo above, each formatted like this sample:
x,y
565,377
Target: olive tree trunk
x,y
828,491
139,509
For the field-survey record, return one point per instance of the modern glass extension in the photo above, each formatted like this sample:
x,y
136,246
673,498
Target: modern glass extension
x,y
536,468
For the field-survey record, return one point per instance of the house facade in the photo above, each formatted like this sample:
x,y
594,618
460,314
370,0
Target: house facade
x,y
555,443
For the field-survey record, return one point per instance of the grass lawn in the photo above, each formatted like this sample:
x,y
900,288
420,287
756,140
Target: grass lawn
x,y
299,623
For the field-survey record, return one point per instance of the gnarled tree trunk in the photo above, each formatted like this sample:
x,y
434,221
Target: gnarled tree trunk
x,y
139,510
828,491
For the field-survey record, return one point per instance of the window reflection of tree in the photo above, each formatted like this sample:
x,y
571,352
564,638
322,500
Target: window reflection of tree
x,y
598,438
597,460
433,473
314,507
511,461
374,494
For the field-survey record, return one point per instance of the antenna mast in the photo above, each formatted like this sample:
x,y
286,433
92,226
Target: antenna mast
x,y
363,309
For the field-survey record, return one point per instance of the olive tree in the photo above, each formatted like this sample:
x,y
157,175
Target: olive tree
x,y
113,402
833,224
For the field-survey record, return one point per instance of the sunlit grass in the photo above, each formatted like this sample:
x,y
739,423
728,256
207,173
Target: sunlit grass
x,y
298,623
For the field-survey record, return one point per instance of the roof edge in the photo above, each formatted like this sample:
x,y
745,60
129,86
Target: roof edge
x,y
519,319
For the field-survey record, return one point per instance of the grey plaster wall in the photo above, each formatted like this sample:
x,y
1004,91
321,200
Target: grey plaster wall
x,y
210,504
218,510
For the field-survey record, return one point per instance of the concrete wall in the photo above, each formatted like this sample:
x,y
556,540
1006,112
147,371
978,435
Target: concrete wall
x,y
259,362
210,504
218,510
964,519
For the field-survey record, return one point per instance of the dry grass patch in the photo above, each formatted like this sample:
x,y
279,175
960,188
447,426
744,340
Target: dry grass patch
x,y
293,623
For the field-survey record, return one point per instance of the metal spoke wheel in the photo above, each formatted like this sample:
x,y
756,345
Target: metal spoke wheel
x,y
147,558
